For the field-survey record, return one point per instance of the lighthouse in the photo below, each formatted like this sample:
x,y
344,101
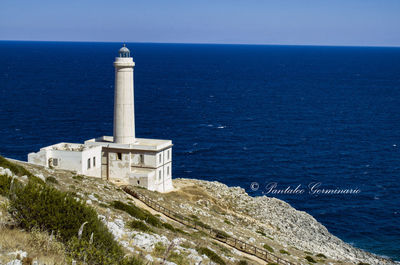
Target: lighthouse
x,y
124,109
122,158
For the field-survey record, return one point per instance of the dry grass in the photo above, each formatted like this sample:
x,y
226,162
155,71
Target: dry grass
x,y
37,244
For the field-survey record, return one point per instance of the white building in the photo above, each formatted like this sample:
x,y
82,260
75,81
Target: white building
x,y
120,158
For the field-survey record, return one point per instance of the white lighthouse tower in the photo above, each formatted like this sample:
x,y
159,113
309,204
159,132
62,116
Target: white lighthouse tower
x,y
121,158
124,112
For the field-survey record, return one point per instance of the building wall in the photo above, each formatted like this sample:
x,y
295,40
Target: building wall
x,y
39,158
94,154
119,166
68,160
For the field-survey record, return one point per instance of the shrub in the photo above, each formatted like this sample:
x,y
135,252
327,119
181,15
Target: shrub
x,y
282,251
5,183
16,169
177,259
83,250
19,170
267,247
52,210
139,225
137,213
159,249
320,255
78,177
261,232
310,259
242,262
226,221
169,227
104,205
51,180
362,263
211,255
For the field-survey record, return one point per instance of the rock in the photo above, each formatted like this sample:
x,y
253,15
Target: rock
x,y
116,230
6,171
41,177
14,262
20,253
149,258
92,197
289,226
147,241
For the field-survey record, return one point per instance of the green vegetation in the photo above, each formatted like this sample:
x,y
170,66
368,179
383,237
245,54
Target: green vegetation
x,y
52,210
51,180
139,225
5,184
267,247
182,232
16,169
261,232
178,258
169,227
320,255
211,255
37,205
242,262
201,224
272,263
137,213
78,177
310,259
195,217
282,251
362,263
159,249
226,221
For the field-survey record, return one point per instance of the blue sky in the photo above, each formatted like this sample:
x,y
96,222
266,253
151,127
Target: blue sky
x,y
293,22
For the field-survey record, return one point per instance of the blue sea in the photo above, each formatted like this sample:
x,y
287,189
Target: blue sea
x,y
238,114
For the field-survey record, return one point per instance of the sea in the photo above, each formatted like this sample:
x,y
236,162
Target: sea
x,y
293,122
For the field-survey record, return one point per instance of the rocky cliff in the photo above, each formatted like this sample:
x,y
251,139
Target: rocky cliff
x,y
154,238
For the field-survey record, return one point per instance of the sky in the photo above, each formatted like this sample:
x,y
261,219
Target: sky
x,y
287,22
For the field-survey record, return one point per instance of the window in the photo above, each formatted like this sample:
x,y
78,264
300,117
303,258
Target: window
x,y
169,156
167,171
119,156
141,159
159,158
88,163
159,175
94,161
138,182
55,162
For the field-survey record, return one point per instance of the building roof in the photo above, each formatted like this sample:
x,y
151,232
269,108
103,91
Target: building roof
x,y
139,144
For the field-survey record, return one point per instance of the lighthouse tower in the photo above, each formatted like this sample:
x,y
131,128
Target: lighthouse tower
x,y
123,157
124,113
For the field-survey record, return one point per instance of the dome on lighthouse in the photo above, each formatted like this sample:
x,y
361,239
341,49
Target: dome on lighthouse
x,y
124,52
